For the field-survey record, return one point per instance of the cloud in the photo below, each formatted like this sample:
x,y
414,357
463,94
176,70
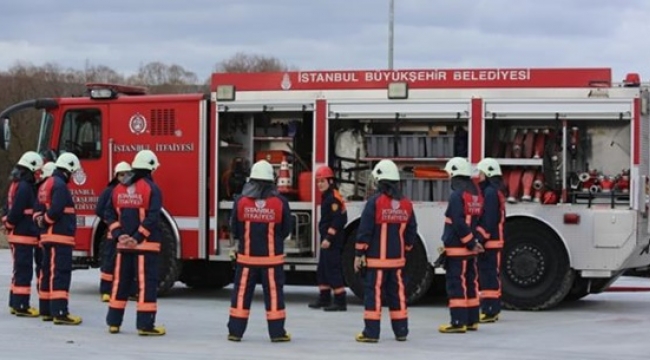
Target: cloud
x,y
332,34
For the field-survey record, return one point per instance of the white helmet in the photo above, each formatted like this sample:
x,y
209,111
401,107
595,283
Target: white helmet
x,y
122,166
31,160
386,170
68,161
490,167
262,170
145,159
47,170
458,166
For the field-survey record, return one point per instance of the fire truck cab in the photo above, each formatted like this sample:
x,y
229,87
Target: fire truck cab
x,y
573,146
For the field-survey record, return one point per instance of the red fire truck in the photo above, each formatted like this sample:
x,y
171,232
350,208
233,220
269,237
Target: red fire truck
x,y
573,145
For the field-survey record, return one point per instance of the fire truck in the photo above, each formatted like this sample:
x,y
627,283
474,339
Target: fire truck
x,y
573,145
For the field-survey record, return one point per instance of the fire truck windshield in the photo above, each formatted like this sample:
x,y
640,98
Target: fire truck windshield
x,y
45,133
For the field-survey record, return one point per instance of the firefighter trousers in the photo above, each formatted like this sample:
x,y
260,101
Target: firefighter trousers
x,y
55,280
129,265
24,257
385,284
462,290
329,273
107,268
489,264
246,278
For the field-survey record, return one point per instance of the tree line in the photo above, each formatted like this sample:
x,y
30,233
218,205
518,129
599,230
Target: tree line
x,y
24,81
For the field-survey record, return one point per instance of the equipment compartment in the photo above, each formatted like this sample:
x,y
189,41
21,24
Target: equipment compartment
x,y
577,161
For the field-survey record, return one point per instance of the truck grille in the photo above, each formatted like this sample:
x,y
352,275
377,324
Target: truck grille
x,y
163,122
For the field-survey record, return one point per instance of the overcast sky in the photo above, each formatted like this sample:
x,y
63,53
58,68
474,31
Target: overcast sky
x,y
329,34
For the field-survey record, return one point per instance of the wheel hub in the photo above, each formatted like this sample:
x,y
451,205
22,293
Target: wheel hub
x,y
525,265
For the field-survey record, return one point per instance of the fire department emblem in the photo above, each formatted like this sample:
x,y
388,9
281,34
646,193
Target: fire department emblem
x,y
394,204
286,82
79,177
137,124
260,204
335,206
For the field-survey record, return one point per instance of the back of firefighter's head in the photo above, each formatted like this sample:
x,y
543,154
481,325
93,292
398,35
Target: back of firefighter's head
x,y
324,177
68,162
262,171
458,166
145,160
386,170
489,167
31,161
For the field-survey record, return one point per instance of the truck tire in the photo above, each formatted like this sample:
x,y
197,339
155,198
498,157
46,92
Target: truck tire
x,y
535,267
206,275
418,274
579,290
169,266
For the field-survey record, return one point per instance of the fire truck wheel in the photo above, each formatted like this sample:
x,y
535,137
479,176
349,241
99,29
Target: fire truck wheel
x,y
579,290
206,275
535,269
169,266
418,274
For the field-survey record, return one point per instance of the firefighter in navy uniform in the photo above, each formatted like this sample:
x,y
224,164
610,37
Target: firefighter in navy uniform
x,y
387,230
461,238
55,216
133,215
109,245
332,222
493,221
260,221
22,233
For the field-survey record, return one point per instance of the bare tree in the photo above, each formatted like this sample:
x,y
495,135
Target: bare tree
x,y
101,74
162,78
242,62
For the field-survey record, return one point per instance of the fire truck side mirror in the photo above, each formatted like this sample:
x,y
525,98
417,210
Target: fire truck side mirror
x,y
6,133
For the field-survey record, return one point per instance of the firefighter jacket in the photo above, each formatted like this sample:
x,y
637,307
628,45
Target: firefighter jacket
x,y
104,199
54,203
261,221
386,231
19,210
333,217
494,214
461,231
134,209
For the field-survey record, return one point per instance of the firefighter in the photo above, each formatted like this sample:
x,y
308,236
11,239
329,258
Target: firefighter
x,y
46,172
133,218
22,233
260,221
493,220
332,221
108,255
461,241
387,230
55,216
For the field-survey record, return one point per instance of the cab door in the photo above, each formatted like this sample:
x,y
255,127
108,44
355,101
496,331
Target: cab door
x,y
84,132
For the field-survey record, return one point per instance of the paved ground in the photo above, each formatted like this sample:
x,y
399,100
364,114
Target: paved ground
x,y
609,326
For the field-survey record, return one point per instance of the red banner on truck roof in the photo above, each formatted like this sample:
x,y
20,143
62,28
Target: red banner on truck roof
x,y
417,79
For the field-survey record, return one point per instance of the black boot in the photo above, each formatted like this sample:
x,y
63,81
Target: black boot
x,y
324,300
340,303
